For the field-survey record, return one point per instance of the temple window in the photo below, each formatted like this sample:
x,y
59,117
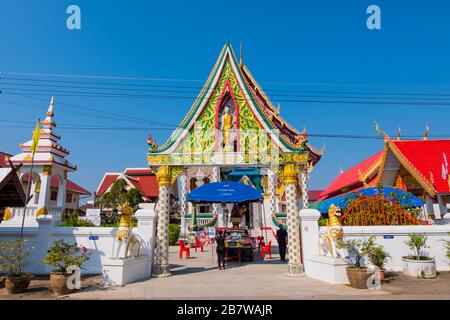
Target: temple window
x,y
54,195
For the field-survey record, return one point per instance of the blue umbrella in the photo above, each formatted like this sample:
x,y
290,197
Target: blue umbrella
x,y
399,196
224,192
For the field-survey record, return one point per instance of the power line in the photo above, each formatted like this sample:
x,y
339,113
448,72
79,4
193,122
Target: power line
x,y
107,77
343,95
171,97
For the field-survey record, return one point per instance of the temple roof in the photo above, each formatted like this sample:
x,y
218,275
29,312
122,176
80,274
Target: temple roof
x,y
141,178
425,160
352,179
48,150
230,77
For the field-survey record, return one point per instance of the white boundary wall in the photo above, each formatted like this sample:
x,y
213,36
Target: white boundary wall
x,y
391,237
99,241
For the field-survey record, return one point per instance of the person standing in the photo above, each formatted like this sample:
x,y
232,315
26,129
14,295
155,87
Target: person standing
x,y
220,240
281,238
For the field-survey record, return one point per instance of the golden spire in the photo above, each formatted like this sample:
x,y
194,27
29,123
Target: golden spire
x,y
399,132
381,132
427,129
50,107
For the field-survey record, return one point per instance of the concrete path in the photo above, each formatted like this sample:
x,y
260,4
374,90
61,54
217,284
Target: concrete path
x,y
199,278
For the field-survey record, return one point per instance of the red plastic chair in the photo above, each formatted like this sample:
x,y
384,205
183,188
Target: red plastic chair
x,y
267,249
260,242
185,249
198,244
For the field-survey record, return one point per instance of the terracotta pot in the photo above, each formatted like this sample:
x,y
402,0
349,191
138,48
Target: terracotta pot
x,y
17,284
358,277
58,283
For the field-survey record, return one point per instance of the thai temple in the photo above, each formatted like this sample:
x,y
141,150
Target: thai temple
x,y
417,166
50,189
233,132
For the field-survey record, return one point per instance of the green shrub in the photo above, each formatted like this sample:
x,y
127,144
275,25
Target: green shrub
x,y
174,234
322,222
12,257
77,222
63,255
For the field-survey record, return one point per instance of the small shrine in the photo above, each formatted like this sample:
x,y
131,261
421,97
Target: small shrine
x,y
50,168
233,132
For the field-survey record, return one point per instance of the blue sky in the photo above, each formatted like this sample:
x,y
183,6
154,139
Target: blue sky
x,y
288,45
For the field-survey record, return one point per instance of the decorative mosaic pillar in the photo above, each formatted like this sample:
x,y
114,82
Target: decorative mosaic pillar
x,y
183,203
272,194
215,177
161,267
304,186
295,267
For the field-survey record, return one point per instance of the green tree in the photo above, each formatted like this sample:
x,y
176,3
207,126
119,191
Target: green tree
x,y
119,194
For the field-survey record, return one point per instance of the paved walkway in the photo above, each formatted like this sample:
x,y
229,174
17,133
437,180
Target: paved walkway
x,y
199,278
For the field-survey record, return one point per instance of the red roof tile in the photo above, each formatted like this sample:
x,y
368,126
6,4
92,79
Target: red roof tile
x,y
138,171
147,184
142,179
107,181
349,180
314,195
71,186
427,157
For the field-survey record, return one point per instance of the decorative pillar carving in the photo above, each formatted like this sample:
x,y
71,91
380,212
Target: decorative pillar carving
x,y
271,184
295,266
161,267
304,186
183,202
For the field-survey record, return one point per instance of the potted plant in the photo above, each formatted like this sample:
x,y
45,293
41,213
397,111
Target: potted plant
x,y
62,256
13,256
357,274
378,256
418,265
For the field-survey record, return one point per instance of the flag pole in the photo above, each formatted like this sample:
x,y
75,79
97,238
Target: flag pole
x,y
27,195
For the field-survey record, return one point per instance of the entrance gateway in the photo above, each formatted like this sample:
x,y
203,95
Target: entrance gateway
x,y
233,132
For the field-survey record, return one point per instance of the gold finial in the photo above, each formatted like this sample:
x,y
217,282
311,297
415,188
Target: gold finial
x,y
241,60
427,129
399,132
381,132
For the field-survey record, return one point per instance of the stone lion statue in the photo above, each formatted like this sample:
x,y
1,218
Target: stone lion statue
x,y
334,232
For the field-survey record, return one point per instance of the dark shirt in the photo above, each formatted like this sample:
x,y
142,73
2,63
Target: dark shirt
x,y
220,240
281,236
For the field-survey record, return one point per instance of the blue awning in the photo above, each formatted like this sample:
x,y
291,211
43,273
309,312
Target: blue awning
x,y
224,192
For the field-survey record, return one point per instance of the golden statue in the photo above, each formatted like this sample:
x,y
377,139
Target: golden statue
x,y
124,234
333,232
227,127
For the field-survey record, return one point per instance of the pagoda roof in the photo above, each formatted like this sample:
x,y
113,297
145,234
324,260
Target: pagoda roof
x,y
284,136
48,151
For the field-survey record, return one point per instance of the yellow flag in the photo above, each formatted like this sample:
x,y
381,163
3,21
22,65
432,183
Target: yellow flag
x,y
36,135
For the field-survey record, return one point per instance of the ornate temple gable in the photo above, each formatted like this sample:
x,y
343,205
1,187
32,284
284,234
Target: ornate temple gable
x,y
231,114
